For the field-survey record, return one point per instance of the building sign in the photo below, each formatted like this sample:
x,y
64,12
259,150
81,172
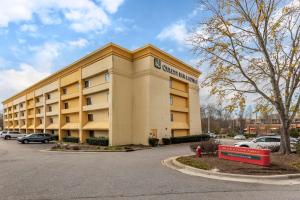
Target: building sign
x,y
244,154
162,66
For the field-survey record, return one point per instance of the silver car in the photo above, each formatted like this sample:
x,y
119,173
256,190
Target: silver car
x,y
266,142
7,135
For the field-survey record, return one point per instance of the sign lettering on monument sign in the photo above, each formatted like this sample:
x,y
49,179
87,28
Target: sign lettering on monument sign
x,y
244,154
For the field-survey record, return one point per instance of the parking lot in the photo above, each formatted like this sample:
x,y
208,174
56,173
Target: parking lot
x,y
28,173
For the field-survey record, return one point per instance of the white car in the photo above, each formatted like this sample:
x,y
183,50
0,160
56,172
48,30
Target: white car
x,y
212,135
239,137
265,142
11,134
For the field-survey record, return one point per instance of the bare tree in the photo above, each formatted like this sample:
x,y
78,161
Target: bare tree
x,y
252,47
218,117
1,120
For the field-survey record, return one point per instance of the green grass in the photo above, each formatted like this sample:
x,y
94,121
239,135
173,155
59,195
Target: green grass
x,y
194,163
114,148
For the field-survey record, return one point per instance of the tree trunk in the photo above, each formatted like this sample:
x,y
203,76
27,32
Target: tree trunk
x,y
285,145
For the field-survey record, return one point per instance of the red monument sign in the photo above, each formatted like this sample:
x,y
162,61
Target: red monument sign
x,y
244,154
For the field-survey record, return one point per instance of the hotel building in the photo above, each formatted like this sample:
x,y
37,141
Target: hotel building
x,y
127,96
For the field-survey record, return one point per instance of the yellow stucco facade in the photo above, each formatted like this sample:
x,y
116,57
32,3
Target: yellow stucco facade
x,y
127,96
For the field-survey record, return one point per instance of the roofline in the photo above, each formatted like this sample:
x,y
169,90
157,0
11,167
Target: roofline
x,y
107,50
193,69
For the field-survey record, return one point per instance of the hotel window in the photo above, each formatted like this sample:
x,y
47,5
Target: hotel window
x,y
88,101
39,111
171,100
170,83
90,117
52,132
106,77
51,120
37,100
86,83
67,119
48,96
21,105
64,90
50,108
16,115
41,121
15,107
22,114
91,134
66,105
172,117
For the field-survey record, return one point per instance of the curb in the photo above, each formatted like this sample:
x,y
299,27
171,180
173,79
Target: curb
x,y
288,179
78,151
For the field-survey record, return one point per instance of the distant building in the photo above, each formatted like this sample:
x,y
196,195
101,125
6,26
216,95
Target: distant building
x,y
268,125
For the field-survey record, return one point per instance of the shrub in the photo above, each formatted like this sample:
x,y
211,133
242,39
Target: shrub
x,y
71,139
55,137
294,133
153,141
101,141
230,134
166,141
189,138
208,147
76,148
250,135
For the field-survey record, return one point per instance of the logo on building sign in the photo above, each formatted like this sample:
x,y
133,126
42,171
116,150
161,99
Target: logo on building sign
x,y
159,65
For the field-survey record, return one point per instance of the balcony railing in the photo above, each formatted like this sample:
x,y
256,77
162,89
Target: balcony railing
x,y
179,109
52,113
95,107
95,89
70,110
51,101
70,96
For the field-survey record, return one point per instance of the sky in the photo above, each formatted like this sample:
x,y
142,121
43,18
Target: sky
x,y
40,37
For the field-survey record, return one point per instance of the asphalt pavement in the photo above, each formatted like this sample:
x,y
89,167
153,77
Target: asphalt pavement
x,y
30,174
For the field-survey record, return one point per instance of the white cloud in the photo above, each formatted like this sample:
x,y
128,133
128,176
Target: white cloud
x,y
15,10
83,15
49,16
90,18
29,28
111,6
80,43
15,80
45,55
176,32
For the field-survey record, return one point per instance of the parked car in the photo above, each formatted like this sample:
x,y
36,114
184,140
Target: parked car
x,y
212,135
239,137
11,134
36,137
266,142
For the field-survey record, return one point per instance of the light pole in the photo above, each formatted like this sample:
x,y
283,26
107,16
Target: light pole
x,y
208,122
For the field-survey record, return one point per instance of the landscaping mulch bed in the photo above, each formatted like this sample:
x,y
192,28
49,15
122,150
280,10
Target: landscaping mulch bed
x,y
95,148
280,164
